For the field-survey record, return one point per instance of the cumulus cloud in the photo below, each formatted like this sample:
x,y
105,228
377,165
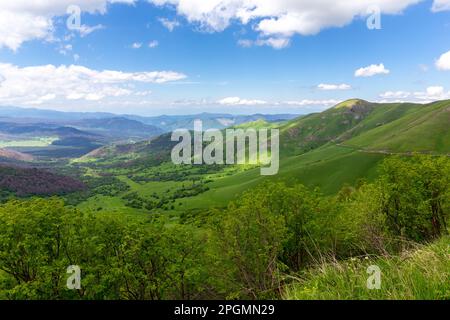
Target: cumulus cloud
x,y
329,87
236,101
440,5
443,63
281,18
38,84
24,20
430,94
371,70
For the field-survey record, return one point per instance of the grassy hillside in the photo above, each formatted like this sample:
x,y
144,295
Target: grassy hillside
x,y
420,129
420,274
307,133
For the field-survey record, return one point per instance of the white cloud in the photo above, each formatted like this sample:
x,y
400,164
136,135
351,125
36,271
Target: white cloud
x,y
236,101
136,45
443,63
245,43
59,84
169,24
153,44
308,102
276,43
395,95
371,71
440,5
430,94
259,103
329,87
24,20
436,91
281,18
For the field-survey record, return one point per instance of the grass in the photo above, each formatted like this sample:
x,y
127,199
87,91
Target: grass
x,y
111,206
36,142
420,274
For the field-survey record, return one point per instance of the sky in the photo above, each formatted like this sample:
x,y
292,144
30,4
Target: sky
x,y
153,57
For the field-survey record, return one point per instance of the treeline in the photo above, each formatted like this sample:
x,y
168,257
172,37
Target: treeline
x,y
245,251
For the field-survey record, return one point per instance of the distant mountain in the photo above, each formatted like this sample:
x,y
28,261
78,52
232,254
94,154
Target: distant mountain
x,y
209,120
165,123
119,127
42,114
37,129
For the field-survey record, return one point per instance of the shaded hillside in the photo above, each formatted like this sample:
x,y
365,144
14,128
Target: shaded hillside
x,y
35,129
155,150
31,181
7,154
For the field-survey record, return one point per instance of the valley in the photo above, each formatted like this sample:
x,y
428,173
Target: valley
x,y
342,156
334,166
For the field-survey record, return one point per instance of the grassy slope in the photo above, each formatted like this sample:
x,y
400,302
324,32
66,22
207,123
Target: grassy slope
x,y
423,129
423,273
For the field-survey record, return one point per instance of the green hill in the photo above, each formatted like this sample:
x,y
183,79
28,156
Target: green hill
x,y
327,150
423,128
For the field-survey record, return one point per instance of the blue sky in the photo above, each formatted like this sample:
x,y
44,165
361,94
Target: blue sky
x,y
184,56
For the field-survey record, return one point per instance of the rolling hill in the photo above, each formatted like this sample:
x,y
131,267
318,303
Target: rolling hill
x,y
327,150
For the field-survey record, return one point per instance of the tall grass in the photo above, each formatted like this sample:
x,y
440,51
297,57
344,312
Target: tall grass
x,y
419,274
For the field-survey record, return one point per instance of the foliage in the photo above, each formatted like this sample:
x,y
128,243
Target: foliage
x,y
278,240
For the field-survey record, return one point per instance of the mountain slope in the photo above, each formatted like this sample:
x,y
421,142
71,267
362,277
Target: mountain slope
x,y
312,131
424,129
